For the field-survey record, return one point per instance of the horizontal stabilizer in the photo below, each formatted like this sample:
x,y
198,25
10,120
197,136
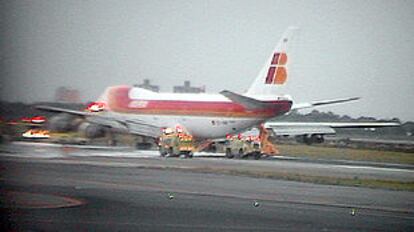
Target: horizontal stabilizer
x,y
247,102
321,103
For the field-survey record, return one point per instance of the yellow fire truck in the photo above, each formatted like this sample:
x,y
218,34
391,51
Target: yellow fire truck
x,y
176,143
242,147
250,146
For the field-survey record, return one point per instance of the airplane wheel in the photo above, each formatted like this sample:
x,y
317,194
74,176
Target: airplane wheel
x,y
143,146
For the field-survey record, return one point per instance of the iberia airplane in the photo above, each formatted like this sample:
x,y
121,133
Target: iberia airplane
x,y
205,116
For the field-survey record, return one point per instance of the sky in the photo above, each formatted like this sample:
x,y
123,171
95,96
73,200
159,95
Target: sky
x,y
343,48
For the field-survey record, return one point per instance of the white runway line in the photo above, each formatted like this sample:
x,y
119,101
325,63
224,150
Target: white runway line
x,y
126,154
376,168
36,144
31,155
85,147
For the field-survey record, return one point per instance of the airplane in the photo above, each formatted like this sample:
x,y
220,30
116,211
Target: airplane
x,y
314,132
203,115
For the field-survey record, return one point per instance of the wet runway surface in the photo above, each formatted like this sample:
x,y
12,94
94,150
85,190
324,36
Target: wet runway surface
x,y
148,193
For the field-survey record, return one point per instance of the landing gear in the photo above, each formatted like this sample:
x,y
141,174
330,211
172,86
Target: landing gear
x,y
143,146
144,143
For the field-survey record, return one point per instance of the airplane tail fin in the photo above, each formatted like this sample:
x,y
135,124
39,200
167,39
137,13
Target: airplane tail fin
x,y
275,71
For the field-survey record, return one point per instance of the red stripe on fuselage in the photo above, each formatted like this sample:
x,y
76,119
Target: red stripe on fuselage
x,y
119,101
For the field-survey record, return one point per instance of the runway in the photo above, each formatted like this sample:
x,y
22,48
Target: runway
x,y
206,162
76,190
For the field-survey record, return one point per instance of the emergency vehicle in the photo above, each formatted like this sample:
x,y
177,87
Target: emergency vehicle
x,y
176,143
243,147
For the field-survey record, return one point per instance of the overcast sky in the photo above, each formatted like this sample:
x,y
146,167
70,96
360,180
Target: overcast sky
x,y
344,48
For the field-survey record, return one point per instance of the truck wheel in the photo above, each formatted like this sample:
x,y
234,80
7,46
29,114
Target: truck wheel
x,y
257,155
189,155
170,151
229,155
240,155
163,153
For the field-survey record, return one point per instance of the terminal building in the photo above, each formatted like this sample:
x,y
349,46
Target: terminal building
x,y
187,88
147,85
67,95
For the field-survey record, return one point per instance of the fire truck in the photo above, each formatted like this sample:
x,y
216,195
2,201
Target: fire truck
x,y
175,143
243,147
250,146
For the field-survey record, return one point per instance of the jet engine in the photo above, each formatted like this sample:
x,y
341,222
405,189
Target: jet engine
x,y
310,139
91,130
63,123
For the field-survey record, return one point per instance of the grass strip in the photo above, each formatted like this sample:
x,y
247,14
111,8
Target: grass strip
x,y
333,153
325,180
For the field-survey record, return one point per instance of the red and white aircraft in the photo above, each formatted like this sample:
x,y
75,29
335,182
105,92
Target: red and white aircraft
x,y
205,116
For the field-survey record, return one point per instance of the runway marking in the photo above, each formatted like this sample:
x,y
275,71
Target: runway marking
x,y
38,200
376,168
36,156
40,144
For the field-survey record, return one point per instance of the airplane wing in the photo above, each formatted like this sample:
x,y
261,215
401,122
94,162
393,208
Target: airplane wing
x,y
62,110
136,126
306,105
320,128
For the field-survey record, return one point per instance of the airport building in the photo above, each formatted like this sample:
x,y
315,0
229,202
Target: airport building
x,y
67,95
187,88
147,85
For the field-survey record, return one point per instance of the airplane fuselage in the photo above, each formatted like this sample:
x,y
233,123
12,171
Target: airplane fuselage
x,y
202,115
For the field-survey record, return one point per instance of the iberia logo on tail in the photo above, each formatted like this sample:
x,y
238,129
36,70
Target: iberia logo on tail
x,y
277,72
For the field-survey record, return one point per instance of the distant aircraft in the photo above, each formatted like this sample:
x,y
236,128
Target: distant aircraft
x,y
205,116
314,132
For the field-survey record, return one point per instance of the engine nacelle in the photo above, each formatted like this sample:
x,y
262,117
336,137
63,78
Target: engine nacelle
x,y
310,139
90,130
63,123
